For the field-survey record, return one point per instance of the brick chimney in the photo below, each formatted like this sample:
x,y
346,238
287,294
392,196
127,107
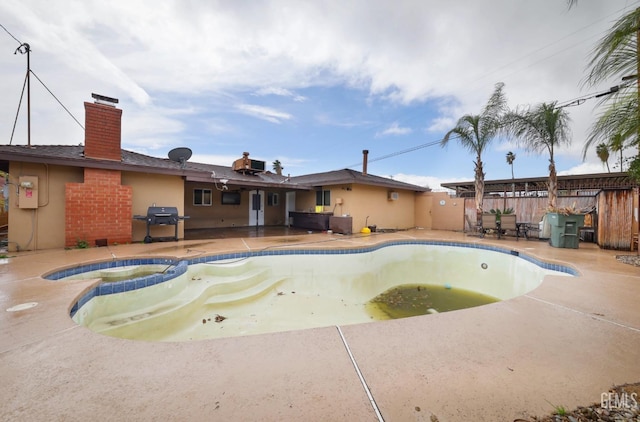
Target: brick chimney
x,y
365,158
99,208
102,133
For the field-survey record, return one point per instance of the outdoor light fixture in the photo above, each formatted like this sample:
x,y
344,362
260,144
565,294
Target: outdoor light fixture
x,y
223,181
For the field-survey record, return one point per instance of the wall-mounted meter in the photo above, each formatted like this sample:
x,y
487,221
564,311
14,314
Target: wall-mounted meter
x,y
28,192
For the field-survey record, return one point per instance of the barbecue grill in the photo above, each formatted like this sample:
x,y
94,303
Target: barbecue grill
x,y
160,216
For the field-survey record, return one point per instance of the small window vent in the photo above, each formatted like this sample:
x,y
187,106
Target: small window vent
x,y
393,196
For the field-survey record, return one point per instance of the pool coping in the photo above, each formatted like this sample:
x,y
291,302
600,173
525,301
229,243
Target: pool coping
x,y
175,267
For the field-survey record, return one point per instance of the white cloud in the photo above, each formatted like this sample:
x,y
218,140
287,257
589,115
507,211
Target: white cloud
x,y
328,120
584,168
290,163
426,181
282,92
441,124
394,129
405,51
219,160
264,113
207,58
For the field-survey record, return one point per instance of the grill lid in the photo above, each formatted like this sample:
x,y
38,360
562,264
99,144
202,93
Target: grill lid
x,y
162,211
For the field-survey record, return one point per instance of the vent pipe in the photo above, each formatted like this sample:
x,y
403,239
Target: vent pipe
x,y
365,155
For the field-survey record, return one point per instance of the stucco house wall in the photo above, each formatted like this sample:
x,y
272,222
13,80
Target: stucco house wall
x,y
438,211
274,213
161,190
362,201
4,215
42,227
218,215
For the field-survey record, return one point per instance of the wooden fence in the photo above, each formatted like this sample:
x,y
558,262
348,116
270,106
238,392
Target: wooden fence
x,y
614,210
615,219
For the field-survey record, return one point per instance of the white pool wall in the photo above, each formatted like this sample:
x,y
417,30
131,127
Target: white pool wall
x,y
354,277
506,276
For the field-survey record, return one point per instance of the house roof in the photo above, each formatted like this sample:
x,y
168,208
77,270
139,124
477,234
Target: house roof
x,y
348,176
578,182
73,155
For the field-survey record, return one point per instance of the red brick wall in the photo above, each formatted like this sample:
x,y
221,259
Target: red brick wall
x,y
99,208
102,132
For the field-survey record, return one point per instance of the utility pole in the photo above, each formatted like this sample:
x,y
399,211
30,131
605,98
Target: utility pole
x,y
26,49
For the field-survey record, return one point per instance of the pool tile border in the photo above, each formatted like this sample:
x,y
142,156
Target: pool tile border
x,y
178,267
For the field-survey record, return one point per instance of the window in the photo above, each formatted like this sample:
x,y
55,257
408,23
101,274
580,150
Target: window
x,y
202,197
230,198
272,199
323,197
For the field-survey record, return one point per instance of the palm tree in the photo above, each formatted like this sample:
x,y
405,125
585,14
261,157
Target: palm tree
x,y
511,157
277,167
617,145
603,154
543,127
475,133
615,56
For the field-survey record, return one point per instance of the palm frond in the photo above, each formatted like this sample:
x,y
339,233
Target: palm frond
x,y
616,53
619,119
543,127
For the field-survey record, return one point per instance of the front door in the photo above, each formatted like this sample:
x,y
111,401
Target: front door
x,y
256,208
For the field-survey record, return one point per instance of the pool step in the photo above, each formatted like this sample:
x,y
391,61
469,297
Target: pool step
x,y
240,295
213,291
222,268
228,284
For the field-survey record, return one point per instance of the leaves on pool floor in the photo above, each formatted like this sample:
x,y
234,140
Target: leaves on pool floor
x,y
419,299
218,318
405,296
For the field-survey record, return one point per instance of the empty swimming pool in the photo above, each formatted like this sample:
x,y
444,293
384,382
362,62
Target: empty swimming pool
x,y
281,289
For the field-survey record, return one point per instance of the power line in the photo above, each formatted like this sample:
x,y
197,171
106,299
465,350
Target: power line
x,y
570,103
29,71
552,44
13,131
404,151
10,34
56,98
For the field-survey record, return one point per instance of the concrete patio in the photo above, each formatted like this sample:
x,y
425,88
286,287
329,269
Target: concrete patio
x,y
563,344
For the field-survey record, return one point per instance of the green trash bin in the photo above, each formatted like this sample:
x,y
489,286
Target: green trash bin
x,y
572,226
571,235
556,224
565,229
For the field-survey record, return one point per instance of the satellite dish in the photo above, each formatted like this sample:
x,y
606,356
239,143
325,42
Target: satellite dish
x,y
180,155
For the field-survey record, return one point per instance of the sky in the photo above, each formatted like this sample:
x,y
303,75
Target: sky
x,y
311,84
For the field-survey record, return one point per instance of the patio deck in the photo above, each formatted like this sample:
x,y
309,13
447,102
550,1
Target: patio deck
x,y
564,343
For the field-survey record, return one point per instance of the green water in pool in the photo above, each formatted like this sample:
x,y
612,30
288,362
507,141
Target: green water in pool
x,y
408,300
